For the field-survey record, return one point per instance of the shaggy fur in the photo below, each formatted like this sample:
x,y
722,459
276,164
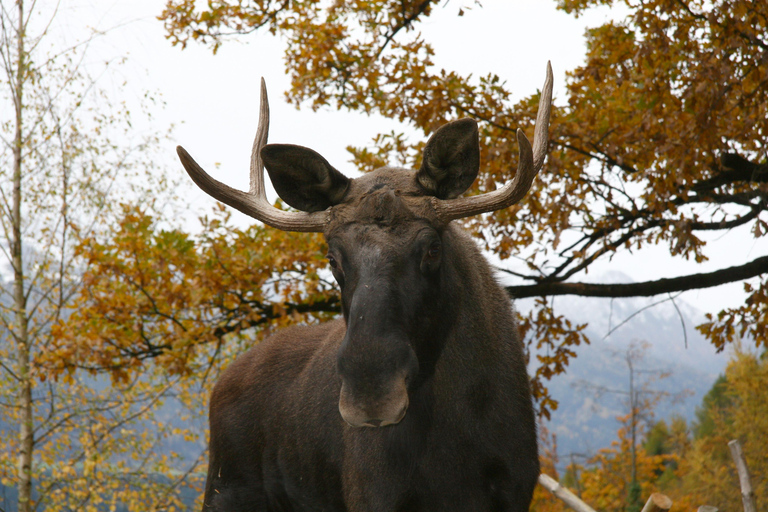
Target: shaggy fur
x,y
422,312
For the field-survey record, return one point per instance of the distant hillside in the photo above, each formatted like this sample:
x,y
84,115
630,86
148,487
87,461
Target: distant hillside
x,y
585,423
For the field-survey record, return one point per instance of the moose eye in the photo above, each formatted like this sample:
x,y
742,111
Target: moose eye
x,y
430,262
332,261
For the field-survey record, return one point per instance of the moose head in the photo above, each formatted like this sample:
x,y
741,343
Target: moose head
x,y
388,247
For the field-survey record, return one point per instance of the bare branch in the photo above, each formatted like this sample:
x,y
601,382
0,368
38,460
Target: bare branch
x,y
749,270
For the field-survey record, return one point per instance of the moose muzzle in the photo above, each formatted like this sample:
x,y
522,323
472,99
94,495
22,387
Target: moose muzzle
x,y
375,408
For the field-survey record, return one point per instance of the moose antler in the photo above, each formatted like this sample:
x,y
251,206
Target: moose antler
x,y
253,203
528,166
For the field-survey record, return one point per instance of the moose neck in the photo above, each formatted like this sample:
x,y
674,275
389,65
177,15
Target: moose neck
x,y
478,307
470,310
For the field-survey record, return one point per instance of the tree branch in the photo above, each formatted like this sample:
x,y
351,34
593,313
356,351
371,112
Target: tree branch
x,y
406,22
754,268
734,168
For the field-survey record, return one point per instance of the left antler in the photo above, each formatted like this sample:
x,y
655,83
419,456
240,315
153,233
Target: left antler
x,y
253,203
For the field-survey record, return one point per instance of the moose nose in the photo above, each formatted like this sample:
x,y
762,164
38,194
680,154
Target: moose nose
x,y
361,411
383,423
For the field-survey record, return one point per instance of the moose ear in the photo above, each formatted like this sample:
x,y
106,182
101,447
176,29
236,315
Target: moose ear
x,y
303,178
451,159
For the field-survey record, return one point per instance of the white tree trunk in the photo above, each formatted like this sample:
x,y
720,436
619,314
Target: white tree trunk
x,y
21,334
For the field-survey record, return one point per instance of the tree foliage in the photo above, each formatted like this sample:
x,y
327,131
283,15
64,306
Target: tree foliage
x,y
620,477
544,501
163,295
68,156
159,313
740,411
661,140
693,466
608,483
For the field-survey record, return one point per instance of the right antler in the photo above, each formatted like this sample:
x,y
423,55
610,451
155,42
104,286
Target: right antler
x,y
528,166
254,203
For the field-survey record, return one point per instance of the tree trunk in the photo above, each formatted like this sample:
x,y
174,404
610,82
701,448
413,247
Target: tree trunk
x,y
21,334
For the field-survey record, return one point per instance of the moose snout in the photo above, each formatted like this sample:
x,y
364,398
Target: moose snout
x,y
364,410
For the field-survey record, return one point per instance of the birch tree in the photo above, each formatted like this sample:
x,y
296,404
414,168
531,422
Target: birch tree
x,y
68,159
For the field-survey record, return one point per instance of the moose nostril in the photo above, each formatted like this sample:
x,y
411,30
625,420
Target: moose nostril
x,y
373,423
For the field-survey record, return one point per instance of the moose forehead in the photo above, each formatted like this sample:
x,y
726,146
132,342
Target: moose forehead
x,y
388,198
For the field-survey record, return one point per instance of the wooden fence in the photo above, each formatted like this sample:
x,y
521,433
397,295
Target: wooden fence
x,y
658,502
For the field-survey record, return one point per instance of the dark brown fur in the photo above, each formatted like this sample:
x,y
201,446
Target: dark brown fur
x,y
421,309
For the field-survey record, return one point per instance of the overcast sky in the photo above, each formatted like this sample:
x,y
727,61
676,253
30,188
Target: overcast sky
x,y
212,100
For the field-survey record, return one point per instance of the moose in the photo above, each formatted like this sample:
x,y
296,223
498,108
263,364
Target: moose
x,y
418,398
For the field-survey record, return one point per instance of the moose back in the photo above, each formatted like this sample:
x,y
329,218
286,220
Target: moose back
x,y
418,399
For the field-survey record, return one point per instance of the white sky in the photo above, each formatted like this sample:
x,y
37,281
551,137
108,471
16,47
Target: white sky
x,y
213,99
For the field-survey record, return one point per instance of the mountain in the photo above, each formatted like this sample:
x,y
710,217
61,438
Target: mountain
x,y
585,420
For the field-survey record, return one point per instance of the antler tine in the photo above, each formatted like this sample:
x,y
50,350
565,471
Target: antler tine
x,y
254,204
541,132
529,164
262,133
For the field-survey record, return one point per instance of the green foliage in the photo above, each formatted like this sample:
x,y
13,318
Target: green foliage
x,y
671,440
657,439
736,409
714,401
634,498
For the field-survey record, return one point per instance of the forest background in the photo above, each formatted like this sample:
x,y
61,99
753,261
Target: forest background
x,y
122,302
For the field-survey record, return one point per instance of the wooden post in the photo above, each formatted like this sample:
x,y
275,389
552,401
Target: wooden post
x,y
707,508
747,494
563,494
657,503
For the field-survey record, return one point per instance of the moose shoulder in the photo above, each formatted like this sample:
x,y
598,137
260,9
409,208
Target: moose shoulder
x,y
418,399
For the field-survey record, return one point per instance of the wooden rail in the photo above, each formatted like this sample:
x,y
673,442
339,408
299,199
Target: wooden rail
x,y
658,502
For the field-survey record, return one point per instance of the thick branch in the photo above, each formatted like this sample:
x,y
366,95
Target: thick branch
x,y
603,156
271,312
645,289
735,168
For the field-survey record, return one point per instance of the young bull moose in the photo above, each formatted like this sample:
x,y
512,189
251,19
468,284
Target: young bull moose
x,y
418,399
